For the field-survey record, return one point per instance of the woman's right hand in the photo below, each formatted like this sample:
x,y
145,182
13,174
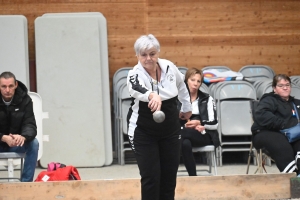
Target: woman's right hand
x,y
155,102
192,124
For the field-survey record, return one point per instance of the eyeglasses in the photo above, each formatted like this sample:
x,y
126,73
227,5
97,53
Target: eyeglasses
x,y
284,86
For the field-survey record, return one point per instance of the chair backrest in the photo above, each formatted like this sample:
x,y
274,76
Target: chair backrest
x,y
265,86
295,91
257,72
253,106
217,67
234,90
124,102
120,74
204,88
235,118
182,69
295,80
39,116
233,108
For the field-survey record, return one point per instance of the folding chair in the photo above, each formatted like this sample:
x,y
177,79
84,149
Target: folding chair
x,y
262,87
257,72
260,156
235,120
182,69
295,90
217,67
295,79
210,150
204,88
124,101
12,159
211,158
119,78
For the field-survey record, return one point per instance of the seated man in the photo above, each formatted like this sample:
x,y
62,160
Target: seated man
x,y
17,123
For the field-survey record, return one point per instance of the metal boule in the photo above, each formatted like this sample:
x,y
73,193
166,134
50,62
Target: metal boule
x,y
159,116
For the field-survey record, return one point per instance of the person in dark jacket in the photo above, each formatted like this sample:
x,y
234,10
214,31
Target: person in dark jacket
x,y
17,123
274,112
201,129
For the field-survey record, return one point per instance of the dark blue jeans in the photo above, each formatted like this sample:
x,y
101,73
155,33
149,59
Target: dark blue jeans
x,y
31,149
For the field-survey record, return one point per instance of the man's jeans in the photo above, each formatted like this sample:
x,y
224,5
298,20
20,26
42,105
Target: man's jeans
x,y
31,149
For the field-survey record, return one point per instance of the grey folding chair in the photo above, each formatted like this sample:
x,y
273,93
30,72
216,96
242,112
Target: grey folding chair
x,y
295,91
257,72
211,159
260,157
217,67
10,160
204,88
124,101
210,150
264,87
119,78
183,69
235,120
295,79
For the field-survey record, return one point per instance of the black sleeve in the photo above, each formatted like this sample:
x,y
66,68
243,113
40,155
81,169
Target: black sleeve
x,y
264,114
29,130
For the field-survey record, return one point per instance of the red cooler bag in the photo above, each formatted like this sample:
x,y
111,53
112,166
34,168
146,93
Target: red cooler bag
x,y
60,174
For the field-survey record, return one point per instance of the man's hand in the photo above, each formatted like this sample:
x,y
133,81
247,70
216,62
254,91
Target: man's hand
x,y
18,139
8,140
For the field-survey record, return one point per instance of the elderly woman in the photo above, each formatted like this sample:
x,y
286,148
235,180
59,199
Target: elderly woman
x,y
155,84
275,111
201,128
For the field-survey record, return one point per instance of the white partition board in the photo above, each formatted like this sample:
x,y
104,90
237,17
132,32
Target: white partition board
x,y
68,69
104,76
14,47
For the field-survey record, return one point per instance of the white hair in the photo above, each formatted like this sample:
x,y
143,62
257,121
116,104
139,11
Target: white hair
x,y
146,42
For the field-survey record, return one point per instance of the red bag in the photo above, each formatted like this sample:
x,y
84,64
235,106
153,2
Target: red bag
x,y
60,174
55,165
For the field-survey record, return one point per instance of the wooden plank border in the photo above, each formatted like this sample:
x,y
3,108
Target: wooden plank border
x,y
261,186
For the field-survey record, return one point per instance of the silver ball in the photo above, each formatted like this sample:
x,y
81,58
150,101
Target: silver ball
x,y
159,116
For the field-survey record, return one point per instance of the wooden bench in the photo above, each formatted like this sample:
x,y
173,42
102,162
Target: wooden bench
x,y
258,186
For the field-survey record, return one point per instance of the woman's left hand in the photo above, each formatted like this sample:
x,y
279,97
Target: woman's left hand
x,y
192,124
200,128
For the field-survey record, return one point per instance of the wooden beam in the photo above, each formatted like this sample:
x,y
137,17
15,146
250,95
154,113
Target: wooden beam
x,y
262,186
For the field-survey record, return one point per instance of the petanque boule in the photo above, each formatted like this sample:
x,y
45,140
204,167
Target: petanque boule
x,y
159,116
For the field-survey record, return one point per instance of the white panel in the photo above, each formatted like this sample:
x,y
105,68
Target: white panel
x,y
68,78
14,47
104,76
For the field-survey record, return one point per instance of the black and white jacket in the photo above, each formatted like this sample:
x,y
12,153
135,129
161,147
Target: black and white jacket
x,y
170,87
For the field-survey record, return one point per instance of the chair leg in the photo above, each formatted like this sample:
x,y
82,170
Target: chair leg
x,y
214,161
249,158
10,168
260,164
